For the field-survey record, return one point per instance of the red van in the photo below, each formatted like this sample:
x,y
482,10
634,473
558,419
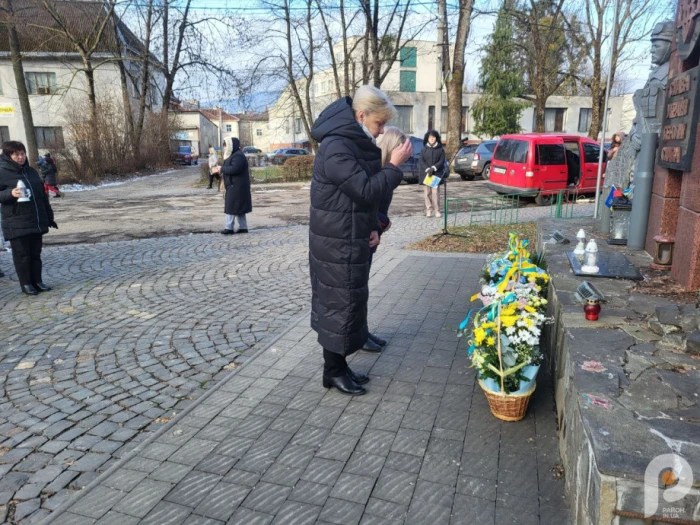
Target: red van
x,y
539,165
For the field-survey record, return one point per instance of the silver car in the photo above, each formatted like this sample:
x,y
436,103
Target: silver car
x,y
481,160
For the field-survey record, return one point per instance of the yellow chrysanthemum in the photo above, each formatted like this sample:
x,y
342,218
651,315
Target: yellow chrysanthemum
x,y
490,341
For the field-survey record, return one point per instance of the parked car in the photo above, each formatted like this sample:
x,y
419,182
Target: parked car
x,y
410,167
280,156
185,155
540,165
251,150
475,159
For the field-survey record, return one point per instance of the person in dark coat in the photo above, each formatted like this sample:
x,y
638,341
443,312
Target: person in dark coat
x,y
24,223
49,173
237,181
432,162
347,186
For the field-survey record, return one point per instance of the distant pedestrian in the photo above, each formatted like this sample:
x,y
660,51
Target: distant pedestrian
x,y
432,162
347,187
615,145
213,162
24,223
49,173
236,177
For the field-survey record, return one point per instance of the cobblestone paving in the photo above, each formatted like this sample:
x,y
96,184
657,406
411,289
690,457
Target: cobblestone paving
x,y
271,445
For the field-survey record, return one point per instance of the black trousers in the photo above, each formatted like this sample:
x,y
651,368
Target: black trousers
x,y
334,365
26,254
213,176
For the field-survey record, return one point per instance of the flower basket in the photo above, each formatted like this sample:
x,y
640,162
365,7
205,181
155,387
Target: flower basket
x,y
508,407
504,339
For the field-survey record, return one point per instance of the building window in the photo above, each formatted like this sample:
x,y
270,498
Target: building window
x,y
339,57
297,125
228,128
4,133
408,57
404,118
286,126
584,119
1,92
443,118
41,83
258,132
49,138
407,81
554,119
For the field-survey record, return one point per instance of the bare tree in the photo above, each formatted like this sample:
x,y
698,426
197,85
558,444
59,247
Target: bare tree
x,y
542,45
171,69
86,43
18,69
455,82
630,24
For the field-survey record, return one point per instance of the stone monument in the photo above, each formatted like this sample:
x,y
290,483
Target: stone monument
x,y
674,213
648,105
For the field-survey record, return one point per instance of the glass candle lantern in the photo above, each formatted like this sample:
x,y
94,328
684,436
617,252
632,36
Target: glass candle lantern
x,y
590,258
663,254
619,223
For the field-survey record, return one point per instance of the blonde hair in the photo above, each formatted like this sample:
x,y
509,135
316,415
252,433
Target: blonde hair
x,y
392,138
373,101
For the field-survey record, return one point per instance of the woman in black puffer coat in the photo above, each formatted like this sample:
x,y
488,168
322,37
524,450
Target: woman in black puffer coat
x,y
237,182
432,162
347,186
24,223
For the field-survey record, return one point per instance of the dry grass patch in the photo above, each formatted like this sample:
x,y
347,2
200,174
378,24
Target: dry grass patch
x,y
477,238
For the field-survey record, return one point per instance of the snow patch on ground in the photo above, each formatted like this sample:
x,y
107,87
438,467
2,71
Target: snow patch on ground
x,y
69,188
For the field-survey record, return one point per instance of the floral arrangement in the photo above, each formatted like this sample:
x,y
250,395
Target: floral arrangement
x,y
505,335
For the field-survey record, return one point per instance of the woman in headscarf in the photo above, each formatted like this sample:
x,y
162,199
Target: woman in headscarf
x,y
213,163
234,172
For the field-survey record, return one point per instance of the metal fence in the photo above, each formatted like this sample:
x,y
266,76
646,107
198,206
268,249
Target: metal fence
x,y
569,204
482,209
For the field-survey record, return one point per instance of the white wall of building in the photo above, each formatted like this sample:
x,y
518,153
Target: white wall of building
x,y
52,110
284,115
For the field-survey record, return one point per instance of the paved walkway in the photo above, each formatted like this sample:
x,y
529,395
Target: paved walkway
x,y
268,444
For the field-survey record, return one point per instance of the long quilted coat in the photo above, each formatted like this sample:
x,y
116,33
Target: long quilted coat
x,y
347,187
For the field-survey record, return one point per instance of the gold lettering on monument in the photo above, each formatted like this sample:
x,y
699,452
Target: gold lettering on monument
x,y
674,132
671,154
679,85
678,108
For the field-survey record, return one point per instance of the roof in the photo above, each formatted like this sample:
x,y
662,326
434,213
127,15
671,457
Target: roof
x,y
213,114
39,32
253,116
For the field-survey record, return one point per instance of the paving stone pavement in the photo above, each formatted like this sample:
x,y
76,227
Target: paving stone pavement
x,y
270,445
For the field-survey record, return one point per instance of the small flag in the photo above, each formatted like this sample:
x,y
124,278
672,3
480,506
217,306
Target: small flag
x,y
611,196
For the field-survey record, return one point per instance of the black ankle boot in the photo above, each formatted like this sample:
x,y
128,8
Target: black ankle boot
x,y
42,287
29,289
378,340
371,346
360,379
345,385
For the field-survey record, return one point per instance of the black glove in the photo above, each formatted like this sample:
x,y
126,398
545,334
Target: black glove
x,y
52,224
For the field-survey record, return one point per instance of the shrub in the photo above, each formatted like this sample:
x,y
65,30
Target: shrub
x,y
95,152
298,168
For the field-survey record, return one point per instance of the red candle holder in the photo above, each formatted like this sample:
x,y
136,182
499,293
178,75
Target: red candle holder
x,y
592,310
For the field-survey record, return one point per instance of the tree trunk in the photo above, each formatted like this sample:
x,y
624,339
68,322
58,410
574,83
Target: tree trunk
x,y
346,57
22,94
145,75
170,72
455,84
540,103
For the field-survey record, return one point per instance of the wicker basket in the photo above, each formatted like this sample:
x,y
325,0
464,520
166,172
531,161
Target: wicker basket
x,y
508,407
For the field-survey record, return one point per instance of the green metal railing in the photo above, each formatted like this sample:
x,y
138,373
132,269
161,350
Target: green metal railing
x,y
564,205
484,209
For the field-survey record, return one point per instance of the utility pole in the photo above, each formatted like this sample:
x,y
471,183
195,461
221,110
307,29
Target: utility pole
x,y
221,126
440,55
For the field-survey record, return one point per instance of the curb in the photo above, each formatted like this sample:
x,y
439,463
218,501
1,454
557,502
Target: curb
x,y
118,464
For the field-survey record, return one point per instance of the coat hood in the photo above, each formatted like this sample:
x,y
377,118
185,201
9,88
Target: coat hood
x,y
232,145
338,119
